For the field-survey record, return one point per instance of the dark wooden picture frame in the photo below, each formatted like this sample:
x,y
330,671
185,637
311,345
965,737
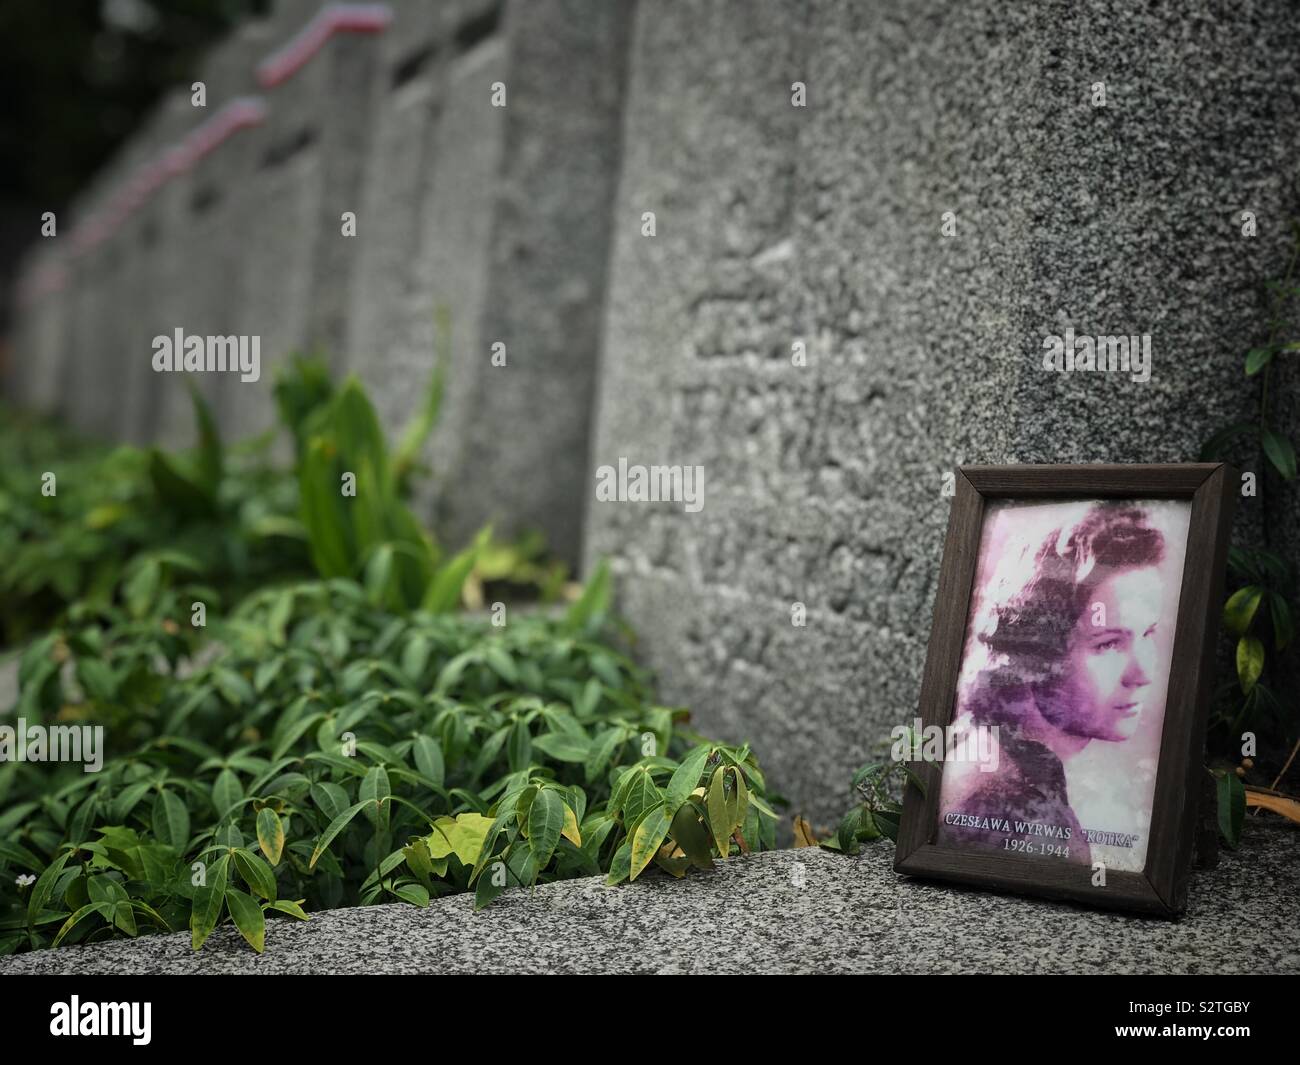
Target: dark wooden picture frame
x,y
1161,887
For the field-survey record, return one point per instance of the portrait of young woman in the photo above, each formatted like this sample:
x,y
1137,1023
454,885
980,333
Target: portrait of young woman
x,y
1065,668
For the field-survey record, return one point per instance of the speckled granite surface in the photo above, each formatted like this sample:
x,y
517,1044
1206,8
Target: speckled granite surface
x,y
785,912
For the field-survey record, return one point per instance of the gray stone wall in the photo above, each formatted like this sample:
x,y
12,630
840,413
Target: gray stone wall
x,y
522,462
824,224
205,255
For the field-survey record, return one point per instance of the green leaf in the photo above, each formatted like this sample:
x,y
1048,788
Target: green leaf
x,y
248,917
739,802
1250,662
1212,449
208,901
266,673
1240,609
649,837
719,814
563,747
519,749
1232,807
129,798
428,758
379,574
374,789
303,390
686,778
846,836
293,909
642,795
415,894
588,700
602,750
505,815
498,658
1257,359
621,865
209,458
416,656
179,488
689,834
152,914
227,792
279,615
171,820
98,679
104,888
328,524
887,821
1283,625
603,666
100,908
1280,452
20,856
486,890
270,834
450,674
79,825
256,873
234,688
294,733
329,798
545,824
588,613
444,590
335,827
868,829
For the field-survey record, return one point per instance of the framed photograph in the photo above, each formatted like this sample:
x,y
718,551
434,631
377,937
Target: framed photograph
x,y
1061,731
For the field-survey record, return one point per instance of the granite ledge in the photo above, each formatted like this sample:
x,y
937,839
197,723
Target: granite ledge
x,y
851,915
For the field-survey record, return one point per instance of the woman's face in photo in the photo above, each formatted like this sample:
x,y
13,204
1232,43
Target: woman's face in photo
x,y
1112,658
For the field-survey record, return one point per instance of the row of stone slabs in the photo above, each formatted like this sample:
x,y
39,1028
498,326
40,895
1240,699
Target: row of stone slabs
x,y
455,207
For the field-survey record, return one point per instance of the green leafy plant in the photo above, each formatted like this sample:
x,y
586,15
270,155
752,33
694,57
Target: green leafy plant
x,y
1283,339
877,816
84,523
124,524
337,752
1259,614
352,507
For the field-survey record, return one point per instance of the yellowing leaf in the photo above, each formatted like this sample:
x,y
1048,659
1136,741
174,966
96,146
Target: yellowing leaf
x,y
803,833
1279,804
719,814
248,917
270,834
106,514
570,830
545,822
1250,662
1240,609
650,835
462,836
